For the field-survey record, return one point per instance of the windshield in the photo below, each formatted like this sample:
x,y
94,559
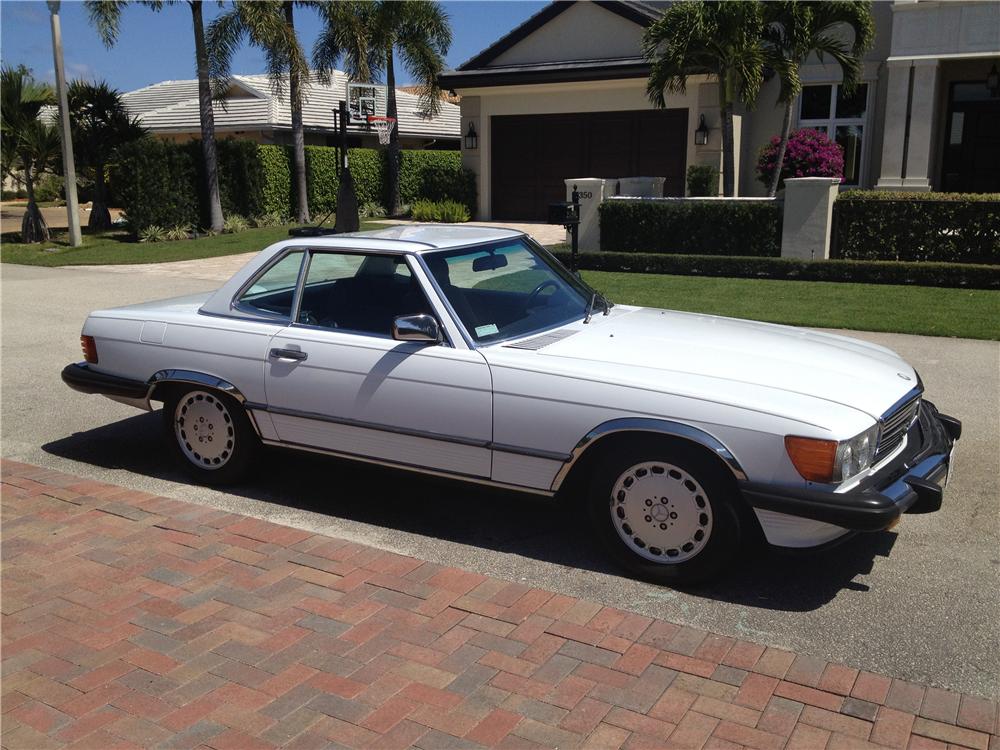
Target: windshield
x,y
508,289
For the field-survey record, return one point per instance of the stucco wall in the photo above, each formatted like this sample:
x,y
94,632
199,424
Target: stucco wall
x,y
584,31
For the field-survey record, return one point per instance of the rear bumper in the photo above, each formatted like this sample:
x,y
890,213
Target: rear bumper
x,y
80,377
912,483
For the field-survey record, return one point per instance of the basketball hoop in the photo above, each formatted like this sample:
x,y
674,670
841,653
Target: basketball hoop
x,y
383,127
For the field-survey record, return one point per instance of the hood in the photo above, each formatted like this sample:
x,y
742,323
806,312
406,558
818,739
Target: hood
x,y
674,346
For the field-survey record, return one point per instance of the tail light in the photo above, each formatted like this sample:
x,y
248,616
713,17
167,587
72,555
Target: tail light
x,y
89,347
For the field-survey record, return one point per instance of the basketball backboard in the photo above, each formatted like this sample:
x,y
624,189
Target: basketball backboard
x,y
365,100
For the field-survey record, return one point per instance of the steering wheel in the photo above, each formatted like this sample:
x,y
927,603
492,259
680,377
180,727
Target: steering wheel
x,y
530,302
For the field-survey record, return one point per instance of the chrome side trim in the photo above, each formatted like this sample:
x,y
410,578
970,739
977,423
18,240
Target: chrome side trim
x,y
369,425
426,434
659,426
411,467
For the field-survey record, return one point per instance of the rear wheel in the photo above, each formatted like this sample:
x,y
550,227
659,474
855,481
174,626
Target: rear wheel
x,y
666,514
210,435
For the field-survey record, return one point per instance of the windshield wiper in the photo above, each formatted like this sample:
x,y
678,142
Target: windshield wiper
x,y
590,308
606,304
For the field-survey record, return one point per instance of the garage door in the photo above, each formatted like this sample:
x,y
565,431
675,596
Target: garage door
x,y
531,155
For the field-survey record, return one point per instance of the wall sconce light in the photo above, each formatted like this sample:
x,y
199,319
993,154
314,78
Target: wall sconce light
x,y
993,81
701,133
471,138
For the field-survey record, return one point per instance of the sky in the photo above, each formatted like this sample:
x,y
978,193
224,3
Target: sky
x,y
155,47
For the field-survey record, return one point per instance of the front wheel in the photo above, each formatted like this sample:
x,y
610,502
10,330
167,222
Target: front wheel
x,y
210,435
667,515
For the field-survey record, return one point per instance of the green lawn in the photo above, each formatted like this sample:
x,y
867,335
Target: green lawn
x,y
117,248
931,311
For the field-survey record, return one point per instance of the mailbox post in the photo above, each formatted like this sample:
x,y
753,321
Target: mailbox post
x,y
567,213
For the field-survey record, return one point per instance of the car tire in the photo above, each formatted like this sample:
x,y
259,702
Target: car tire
x,y
667,514
210,435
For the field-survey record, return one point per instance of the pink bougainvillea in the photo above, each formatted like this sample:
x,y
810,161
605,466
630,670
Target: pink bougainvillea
x,y
810,153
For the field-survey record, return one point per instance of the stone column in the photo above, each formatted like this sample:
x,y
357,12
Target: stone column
x,y
908,142
805,230
592,194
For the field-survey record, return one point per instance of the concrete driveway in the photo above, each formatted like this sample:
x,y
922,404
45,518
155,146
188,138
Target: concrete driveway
x,y
921,602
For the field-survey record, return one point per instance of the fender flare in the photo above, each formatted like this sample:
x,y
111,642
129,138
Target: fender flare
x,y
194,378
663,427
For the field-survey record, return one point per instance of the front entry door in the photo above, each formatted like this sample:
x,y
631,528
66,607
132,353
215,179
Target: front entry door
x,y
972,148
338,381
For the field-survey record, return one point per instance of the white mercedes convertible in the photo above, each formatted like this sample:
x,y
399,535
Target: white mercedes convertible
x,y
471,353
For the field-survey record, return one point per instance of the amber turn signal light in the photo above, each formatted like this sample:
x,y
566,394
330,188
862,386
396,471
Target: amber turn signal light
x,y
813,459
89,347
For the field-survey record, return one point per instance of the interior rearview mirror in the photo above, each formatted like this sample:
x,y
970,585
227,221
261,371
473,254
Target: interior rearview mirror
x,y
489,262
421,327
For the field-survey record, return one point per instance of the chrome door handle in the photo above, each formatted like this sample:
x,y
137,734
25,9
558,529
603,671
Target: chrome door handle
x,y
288,354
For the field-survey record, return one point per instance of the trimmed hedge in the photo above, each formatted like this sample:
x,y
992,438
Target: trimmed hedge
x,y
964,275
156,183
161,183
947,227
710,227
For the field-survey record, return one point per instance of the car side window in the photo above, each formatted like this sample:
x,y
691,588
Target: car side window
x,y
273,292
359,293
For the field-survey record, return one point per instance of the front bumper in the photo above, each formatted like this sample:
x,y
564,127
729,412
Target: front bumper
x,y
80,377
913,482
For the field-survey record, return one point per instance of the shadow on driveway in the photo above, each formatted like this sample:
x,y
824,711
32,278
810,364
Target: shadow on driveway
x,y
479,517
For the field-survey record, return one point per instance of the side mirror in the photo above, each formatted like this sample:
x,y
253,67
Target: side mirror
x,y
421,327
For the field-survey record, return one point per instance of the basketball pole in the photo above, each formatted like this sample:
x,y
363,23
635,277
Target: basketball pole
x,y
347,199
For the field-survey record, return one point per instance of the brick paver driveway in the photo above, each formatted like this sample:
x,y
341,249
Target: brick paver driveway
x,y
131,620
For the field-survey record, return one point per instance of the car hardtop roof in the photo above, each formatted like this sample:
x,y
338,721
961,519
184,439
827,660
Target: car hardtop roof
x,y
431,236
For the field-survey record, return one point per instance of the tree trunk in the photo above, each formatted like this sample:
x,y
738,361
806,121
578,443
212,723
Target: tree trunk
x,y
392,163
100,216
33,226
779,162
207,121
298,137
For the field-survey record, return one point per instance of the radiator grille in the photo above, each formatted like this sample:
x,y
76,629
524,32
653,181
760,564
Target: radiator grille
x,y
895,425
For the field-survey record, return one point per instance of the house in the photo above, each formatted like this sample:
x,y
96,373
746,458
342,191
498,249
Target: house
x,y
563,95
250,110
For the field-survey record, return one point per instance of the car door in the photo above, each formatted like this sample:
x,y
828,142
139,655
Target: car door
x,y
336,379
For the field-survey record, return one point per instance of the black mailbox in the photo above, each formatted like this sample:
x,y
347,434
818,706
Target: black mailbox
x,y
566,213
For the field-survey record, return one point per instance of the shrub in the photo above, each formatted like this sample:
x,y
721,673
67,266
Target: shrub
x,y
272,219
156,183
412,166
178,233
49,187
234,224
276,191
716,227
152,233
11,195
371,211
447,182
809,153
702,181
445,212
952,227
859,271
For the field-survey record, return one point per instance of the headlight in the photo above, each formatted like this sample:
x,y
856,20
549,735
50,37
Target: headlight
x,y
829,461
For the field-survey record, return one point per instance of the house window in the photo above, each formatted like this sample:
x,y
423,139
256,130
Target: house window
x,y
842,116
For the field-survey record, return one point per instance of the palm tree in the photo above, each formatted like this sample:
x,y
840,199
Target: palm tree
x,y
270,26
719,39
105,15
100,124
794,30
368,34
30,145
